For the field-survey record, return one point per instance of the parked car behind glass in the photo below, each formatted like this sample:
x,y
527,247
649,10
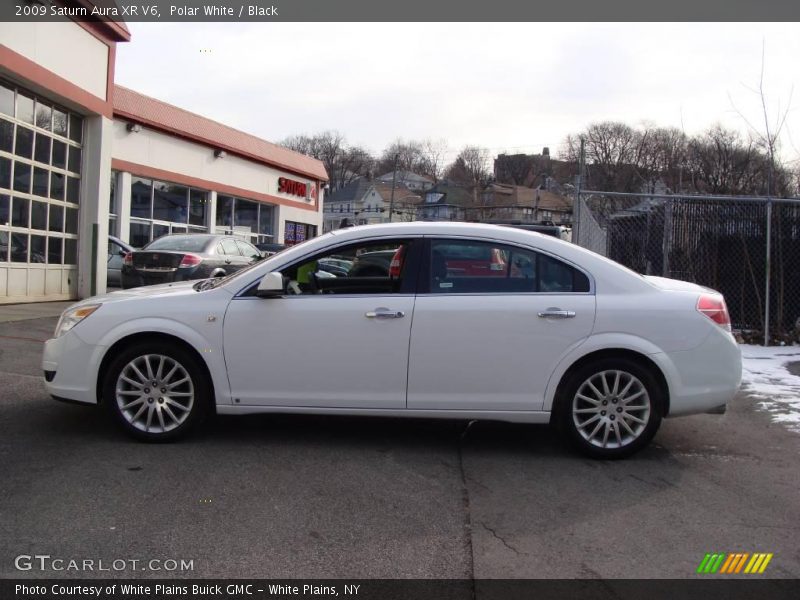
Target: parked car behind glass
x,y
182,257
117,250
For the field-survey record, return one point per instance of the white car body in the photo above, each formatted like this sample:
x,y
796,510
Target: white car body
x,y
473,356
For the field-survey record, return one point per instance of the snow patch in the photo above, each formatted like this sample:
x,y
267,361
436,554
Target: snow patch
x,y
765,377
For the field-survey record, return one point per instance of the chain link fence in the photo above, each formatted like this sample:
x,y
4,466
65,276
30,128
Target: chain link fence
x,y
747,248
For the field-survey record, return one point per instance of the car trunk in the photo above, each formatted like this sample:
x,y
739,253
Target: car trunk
x,y
157,267
677,285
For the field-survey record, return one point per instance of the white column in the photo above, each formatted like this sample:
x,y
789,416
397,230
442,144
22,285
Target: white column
x,y
279,223
123,202
211,212
95,190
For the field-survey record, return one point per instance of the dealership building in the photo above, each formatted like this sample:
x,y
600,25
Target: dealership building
x,y
82,158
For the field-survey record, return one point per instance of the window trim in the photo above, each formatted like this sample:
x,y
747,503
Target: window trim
x,y
424,278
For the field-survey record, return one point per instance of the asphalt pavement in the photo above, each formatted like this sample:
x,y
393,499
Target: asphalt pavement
x,y
291,496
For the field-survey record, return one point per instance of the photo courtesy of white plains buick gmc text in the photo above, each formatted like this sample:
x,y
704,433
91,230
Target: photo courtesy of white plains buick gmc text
x,y
445,320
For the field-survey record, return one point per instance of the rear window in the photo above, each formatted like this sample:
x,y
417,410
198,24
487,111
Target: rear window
x,y
185,243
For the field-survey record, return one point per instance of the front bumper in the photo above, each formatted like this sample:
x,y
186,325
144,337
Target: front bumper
x,y
73,365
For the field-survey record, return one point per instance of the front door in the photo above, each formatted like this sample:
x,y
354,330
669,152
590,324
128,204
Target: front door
x,y
333,341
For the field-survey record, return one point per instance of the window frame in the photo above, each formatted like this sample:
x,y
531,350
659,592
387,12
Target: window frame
x,y
408,286
424,274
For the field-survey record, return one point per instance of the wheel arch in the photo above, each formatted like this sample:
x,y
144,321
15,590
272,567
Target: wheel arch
x,y
640,358
150,336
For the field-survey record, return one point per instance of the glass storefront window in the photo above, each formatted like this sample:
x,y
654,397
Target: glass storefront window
x,y
224,211
60,122
159,230
245,214
42,152
170,202
24,108
5,208
59,154
5,173
265,220
39,215
44,116
6,100
198,200
6,136
22,177
24,146
140,234
141,196
55,248
56,222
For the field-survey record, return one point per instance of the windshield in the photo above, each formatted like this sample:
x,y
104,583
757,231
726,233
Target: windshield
x,y
186,243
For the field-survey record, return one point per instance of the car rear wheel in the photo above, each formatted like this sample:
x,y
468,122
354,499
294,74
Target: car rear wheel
x,y
611,408
156,391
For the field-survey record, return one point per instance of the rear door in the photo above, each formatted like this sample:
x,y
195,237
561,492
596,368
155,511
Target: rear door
x,y
491,322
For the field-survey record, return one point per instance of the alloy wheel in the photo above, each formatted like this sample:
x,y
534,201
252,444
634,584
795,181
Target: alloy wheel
x,y
611,409
154,393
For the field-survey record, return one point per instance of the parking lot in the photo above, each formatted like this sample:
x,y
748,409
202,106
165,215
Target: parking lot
x,y
289,496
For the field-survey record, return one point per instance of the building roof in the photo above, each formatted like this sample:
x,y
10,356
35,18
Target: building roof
x,y
137,107
525,196
352,192
401,193
404,176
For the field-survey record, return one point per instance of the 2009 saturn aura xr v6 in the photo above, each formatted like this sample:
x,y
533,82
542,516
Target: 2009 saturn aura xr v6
x,y
463,321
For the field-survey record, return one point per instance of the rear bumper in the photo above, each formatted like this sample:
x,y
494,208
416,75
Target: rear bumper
x,y
705,379
131,278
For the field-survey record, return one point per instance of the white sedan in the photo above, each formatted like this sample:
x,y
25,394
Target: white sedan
x,y
460,321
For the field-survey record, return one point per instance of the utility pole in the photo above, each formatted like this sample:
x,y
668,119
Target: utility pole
x,y
394,179
576,209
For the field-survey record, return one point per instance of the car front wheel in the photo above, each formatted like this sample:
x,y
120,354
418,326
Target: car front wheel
x,y
157,392
611,408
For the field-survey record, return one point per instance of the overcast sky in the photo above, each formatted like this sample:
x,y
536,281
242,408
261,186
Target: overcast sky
x,y
507,87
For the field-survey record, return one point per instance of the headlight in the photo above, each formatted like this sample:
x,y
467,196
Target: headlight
x,y
73,316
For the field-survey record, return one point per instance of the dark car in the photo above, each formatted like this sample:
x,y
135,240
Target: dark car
x,y
182,257
373,264
117,251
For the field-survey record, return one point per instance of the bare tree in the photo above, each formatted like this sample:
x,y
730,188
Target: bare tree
x,y
471,167
343,163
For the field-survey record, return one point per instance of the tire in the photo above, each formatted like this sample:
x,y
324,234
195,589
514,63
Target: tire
x,y
614,419
182,397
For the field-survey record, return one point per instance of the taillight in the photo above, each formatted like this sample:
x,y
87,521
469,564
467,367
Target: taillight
x,y
715,309
190,260
128,259
397,263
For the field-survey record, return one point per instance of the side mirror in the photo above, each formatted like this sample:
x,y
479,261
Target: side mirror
x,y
271,286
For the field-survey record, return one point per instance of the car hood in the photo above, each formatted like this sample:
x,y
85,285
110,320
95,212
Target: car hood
x,y
677,285
150,291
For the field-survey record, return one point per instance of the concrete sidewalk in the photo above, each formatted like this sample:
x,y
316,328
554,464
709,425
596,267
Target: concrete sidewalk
x,y
32,310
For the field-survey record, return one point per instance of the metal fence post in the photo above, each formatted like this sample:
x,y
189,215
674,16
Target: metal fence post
x,y
767,269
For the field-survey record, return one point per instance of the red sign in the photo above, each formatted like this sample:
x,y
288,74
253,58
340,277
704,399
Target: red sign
x,y
290,186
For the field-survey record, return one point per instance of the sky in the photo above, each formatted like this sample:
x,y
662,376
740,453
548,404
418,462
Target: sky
x,y
509,87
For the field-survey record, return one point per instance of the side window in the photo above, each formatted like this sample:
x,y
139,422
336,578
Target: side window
x,y
229,247
555,276
463,267
470,267
248,250
365,268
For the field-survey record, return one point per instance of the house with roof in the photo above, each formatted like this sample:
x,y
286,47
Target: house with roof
x,y
365,202
412,181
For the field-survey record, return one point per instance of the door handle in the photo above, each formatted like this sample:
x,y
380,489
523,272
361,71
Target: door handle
x,y
228,261
557,313
384,313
